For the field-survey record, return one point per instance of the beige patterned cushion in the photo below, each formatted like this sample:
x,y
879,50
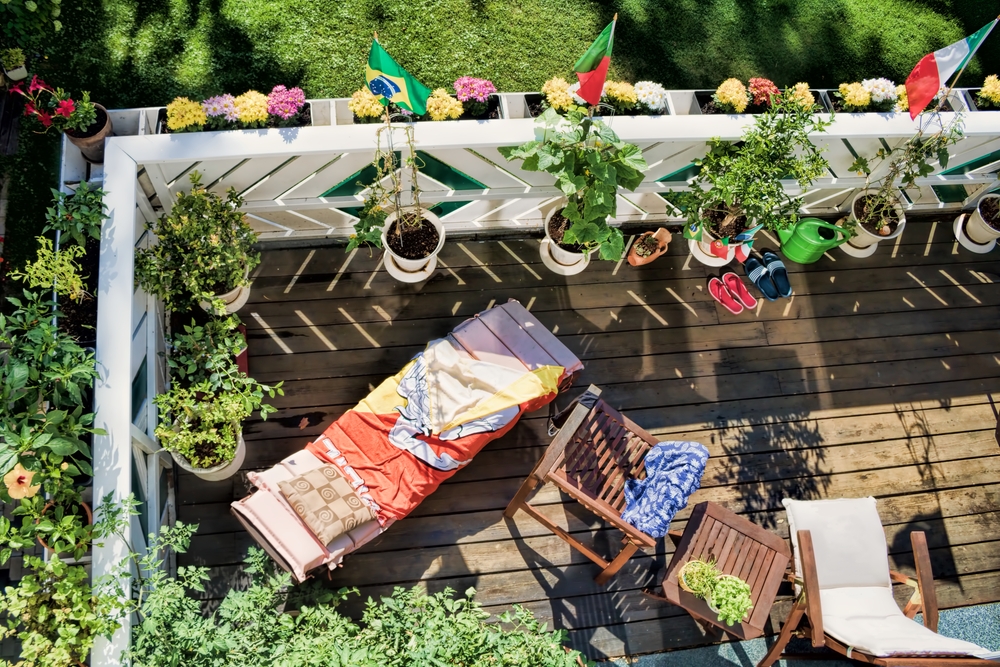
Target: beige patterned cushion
x,y
326,502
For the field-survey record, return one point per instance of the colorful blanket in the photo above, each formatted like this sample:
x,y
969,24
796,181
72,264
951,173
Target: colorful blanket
x,y
673,473
419,427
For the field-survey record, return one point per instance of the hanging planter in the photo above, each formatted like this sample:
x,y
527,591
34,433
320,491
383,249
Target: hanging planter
x,y
412,246
50,506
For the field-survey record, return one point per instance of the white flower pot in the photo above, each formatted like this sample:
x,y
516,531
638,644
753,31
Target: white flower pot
x,y
557,259
19,73
234,299
977,229
219,472
412,270
865,239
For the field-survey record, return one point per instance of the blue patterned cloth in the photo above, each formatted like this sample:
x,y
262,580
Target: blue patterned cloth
x,y
673,473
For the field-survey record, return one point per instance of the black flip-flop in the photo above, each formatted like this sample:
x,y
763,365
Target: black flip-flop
x,y
758,274
776,269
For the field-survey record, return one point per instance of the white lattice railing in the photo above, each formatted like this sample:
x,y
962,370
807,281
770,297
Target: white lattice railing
x,y
299,183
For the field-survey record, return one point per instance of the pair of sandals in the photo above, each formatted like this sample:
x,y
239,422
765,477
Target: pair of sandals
x,y
732,293
768,273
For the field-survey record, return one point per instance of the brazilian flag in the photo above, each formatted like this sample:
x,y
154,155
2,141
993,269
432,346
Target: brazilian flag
x,y
391,83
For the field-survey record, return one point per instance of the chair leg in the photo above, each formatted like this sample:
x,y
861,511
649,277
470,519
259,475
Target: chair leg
x,y
794,618
527,486
617,563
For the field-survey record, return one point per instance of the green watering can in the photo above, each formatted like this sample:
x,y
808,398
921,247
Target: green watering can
x,y
806,241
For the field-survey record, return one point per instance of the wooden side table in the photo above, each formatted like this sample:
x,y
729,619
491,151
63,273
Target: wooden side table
x,y
738,547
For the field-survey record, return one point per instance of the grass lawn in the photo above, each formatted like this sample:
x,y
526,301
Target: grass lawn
x,y
146,52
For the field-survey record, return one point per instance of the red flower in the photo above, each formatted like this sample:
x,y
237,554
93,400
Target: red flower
x,y
45,118
18,87
37,84
29,109
66,107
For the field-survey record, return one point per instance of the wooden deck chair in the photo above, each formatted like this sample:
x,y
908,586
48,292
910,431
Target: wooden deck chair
x,y
593,454
844,590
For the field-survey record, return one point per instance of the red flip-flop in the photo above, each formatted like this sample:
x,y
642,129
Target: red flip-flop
x,y
719,292
739,291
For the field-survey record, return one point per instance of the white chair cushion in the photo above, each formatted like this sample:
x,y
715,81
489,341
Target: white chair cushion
x,y
847,538
867,619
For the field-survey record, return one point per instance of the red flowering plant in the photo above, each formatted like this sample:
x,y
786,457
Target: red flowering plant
x,y
54,108
762,91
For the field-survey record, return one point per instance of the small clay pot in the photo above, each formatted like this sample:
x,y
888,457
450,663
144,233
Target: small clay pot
x,y
661,235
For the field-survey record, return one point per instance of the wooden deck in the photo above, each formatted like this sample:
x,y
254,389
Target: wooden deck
x,y
875,379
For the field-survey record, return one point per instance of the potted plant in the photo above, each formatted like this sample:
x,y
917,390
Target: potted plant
x,y
85,123
442,106
365,107
411,234
648,247
876,213
589,163
739,188
204,252
651,98
698,577
730,97
13,64
209,398
986,98
983,225
478,98
730,599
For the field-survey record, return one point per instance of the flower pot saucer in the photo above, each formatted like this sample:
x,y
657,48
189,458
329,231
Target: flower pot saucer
x,y
402,276
860,253
552,265
979,248
708,259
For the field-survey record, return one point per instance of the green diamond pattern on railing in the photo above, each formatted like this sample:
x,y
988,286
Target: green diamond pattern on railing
x,y
349,186
681,175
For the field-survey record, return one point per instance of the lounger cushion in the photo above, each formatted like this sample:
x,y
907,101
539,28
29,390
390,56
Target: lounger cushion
x,y
847,538
325,501
869,620
283,532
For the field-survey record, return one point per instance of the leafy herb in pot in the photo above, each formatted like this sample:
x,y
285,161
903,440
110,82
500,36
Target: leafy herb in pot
x,y
731,596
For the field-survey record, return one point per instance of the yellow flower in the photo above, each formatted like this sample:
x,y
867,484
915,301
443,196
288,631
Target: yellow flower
x,y
990,91
621,91
801,94
856,97
732,95
18,483
251,107
182,113
442,106
902,102
556,92
364,104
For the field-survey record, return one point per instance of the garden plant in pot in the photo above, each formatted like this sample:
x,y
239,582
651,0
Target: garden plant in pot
x,y
739,188
13,64
84,122
876,213
202,414
590,163
411,234
726,595
204,254
983,226
649,246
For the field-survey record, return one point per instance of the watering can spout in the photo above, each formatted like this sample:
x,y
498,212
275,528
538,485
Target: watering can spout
x,y
807,240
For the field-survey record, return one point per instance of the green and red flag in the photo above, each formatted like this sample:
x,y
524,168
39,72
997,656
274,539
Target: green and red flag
x,y
592,67
934,69
391,83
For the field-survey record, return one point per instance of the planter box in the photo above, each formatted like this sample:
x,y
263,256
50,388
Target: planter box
x,y
307,110
344,115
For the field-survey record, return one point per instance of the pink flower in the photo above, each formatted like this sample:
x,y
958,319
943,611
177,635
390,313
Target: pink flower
x,y
470,88
285,102
44,118
66,108
37,84
29,109
762,90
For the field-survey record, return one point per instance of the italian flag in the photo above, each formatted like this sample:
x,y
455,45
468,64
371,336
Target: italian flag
x,y
592,67
934,69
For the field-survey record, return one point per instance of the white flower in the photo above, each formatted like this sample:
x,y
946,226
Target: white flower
x,y
881,90
651,95
572,90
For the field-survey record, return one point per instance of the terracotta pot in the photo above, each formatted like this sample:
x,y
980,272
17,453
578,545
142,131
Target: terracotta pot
x,y
219,472
662,235
49,505
92,146
977,229
865,238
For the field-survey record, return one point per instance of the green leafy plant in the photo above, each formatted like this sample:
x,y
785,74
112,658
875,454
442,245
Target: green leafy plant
x,y
206,352
78,215
204,248
907,162
699,576
31,23
731,596
740,185
55,270
590,163
11,58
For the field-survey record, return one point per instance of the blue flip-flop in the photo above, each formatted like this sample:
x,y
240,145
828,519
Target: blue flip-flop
x,y
758,274
776,268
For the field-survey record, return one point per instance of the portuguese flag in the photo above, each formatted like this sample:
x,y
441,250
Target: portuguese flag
x,y
592,67
391,83
934,69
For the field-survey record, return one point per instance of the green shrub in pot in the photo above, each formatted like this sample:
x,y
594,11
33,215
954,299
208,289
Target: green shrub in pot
x,y
204,248
731,596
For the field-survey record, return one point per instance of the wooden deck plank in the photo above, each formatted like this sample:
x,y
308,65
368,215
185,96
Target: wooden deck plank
x,y
878,378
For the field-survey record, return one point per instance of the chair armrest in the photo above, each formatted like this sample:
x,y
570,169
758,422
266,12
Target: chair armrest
x,y
925,579
810,584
